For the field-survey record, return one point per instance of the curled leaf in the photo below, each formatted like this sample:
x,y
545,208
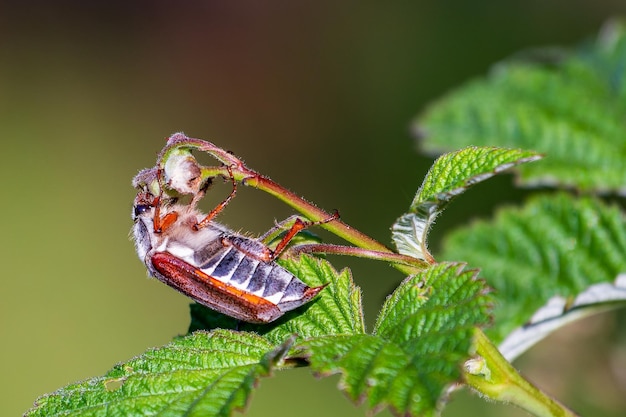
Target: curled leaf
x,y
450,175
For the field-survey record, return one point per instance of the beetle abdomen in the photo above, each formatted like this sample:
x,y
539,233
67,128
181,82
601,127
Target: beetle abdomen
x,y
231,281
264,279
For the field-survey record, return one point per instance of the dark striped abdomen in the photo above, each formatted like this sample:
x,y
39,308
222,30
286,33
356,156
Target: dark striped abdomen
x,y
268,280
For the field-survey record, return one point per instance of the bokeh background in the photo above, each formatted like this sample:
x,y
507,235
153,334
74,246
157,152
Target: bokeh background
x,y
316,94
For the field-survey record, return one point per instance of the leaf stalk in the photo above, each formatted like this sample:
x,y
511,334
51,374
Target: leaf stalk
x,y
235,168
494,377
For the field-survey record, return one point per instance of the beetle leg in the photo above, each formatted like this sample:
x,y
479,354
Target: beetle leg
x,y
163,223
278,228
159,223
217,210
251,247
295,228
201,192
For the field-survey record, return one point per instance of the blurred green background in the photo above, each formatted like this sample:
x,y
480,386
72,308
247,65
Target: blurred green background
x,y
317,95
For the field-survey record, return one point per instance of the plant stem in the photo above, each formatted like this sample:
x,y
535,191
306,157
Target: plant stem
x,y
240,172
310,211
493,376
359,253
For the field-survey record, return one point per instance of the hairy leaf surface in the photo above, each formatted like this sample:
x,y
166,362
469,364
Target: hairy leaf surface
x,y
203,374
569,105
450,175
422,337
555,246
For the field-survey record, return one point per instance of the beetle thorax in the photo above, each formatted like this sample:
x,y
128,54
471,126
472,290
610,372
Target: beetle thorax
x,y
180,238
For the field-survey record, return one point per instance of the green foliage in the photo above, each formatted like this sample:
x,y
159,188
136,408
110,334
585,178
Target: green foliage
x,y
203,374
545,259
553,260
570,106
423,333
554,245
450,175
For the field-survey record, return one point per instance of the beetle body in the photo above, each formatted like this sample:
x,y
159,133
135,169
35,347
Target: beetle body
x,y
213,265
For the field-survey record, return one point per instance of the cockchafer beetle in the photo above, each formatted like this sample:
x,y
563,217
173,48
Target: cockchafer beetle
x,y
233,274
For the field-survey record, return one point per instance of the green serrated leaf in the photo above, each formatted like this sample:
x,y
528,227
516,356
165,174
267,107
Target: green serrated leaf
x,y
203,374
422,303
337,310
450,175
573,109
454,172
553,246
423,335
